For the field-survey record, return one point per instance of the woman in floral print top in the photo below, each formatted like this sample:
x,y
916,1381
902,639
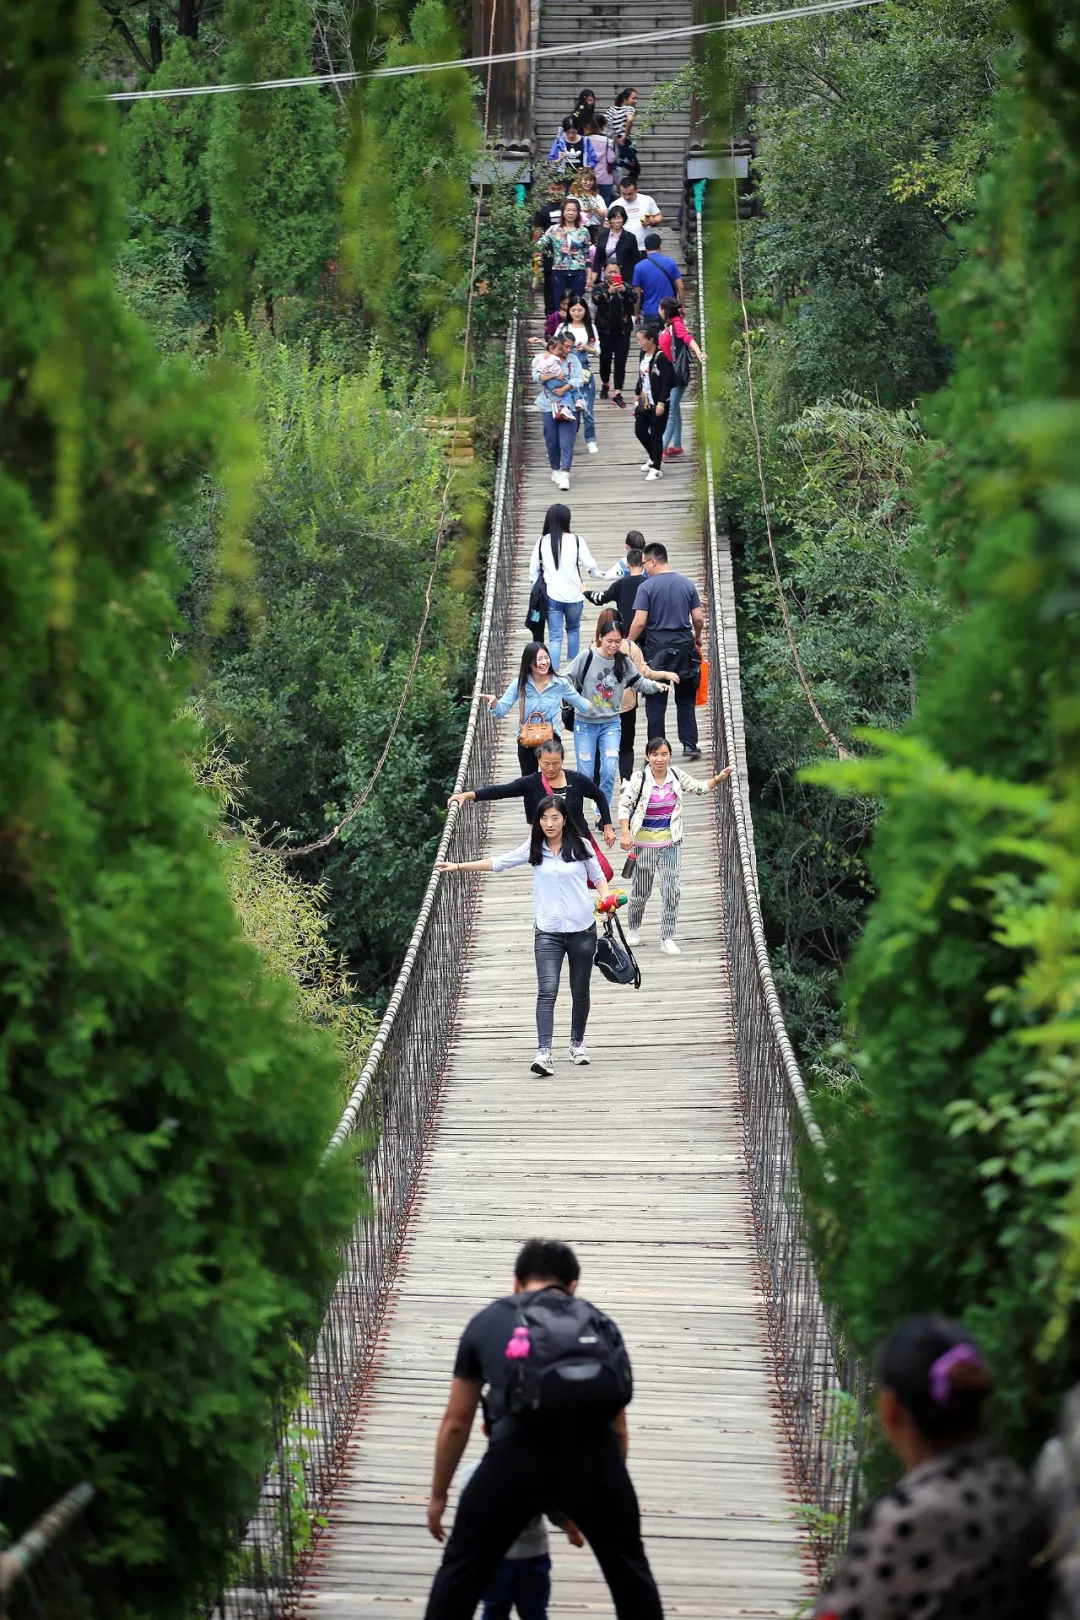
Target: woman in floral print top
x,y
569,243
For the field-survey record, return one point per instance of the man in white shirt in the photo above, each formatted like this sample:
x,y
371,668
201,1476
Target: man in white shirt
x,y
642,212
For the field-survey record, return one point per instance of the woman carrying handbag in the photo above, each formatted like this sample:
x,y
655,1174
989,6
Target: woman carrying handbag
x,y
539,693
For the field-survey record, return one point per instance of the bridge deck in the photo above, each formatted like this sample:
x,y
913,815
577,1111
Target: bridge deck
x,y
636,1161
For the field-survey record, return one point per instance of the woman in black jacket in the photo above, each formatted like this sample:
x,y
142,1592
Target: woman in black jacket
x,y
656,379
613,302
615,244
570,786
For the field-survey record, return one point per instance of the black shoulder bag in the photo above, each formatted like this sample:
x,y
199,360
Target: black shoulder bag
x,y
628,864
567,709
536,616
614,957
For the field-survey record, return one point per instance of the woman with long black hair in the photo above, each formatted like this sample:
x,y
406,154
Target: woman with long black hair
x,y
960,1534
579,327
539,693
563,927
559,555
552,780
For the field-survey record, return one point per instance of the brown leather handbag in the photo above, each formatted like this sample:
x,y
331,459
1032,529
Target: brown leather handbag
x,y
535,730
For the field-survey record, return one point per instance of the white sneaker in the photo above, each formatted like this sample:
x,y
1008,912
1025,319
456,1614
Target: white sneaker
x,y
653,474
592,447
554,478
633,939
669,947
563,480
541,1063
646,466
579,1055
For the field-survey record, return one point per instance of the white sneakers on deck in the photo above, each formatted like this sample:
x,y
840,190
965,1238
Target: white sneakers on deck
x,y
592,447
579,1054
669,947
646,466
653,474
541,1063
563,480
633,939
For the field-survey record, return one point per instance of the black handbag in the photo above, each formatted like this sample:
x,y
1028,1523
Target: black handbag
x,y
614,957
567,710
629,863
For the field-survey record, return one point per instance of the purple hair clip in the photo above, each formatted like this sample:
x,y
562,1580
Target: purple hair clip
x,y
940,1388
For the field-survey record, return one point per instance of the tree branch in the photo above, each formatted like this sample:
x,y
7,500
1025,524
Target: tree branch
x,y
121,27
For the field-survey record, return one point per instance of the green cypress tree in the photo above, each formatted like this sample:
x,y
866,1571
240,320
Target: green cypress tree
x,y
408,197
958,1181
167,1228
163,145
274,161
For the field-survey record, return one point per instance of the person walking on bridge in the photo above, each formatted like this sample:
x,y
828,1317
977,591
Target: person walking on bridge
x,y
539,694
650,818
656,379
604,674
558,556
564,865
552,778
668,613
557,1440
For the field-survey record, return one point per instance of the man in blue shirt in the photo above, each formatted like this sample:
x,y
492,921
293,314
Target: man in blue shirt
x,y
655,277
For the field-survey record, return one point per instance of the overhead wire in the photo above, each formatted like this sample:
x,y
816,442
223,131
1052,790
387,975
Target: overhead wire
x,y
292,851
533,54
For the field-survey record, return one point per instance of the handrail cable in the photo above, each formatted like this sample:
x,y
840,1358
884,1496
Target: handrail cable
x,y
792,1071
844,753
440,532
577,48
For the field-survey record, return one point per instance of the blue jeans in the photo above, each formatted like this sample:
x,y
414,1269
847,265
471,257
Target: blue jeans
x,y
558,612
549,950
588,394
559,441
604,738
525,1582
563,281
607,192
673,431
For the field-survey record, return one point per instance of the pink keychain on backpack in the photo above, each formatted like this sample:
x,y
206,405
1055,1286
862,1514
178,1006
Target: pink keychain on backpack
x,y
519,1347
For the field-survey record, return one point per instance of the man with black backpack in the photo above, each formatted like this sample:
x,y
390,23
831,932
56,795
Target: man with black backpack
x,y
556,1379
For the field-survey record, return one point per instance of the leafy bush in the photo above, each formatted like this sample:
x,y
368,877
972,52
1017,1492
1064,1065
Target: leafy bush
x,y
345,513
957,1180
167,1227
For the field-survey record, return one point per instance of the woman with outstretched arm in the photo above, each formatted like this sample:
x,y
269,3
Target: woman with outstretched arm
x,y
563,865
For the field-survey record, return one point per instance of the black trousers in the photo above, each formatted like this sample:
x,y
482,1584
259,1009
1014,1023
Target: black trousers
x,y
520,1477
527,760
614,346
626,743
685,712
650,431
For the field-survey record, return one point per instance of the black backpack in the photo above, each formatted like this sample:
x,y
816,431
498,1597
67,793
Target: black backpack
x,y
680,361
566,1364
566,709
614,957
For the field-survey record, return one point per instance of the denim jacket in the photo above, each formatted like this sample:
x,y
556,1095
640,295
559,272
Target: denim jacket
x,y
548,702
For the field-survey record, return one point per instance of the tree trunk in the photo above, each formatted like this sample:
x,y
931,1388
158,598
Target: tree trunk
x,y
187,18
153,36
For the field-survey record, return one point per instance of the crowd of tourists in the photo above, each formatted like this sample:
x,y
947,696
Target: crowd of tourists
x,y
962,1532
606,281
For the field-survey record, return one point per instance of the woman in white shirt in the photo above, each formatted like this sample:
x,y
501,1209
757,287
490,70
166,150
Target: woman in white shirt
x,y
579,326
593,205
559,555
563,926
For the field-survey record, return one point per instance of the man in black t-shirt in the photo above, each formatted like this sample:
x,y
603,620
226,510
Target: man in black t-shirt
x,y
669,614
582,1472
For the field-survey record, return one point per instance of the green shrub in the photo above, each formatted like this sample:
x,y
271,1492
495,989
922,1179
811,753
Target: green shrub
x,y
167,1228
957,1181
341,537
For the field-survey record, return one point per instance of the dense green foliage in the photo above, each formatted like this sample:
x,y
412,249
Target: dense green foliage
x,y
956,1179
167,1227
340,538
869,128
272,162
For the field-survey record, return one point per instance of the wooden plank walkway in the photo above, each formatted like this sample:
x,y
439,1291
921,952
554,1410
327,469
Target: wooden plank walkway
x,y
636,1161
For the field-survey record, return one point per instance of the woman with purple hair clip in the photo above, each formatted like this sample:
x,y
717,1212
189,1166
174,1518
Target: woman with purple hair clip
x,y
960,1535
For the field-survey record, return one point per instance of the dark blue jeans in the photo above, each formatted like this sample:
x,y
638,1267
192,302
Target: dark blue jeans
x,y
559,440
549,950
567,281
525,1582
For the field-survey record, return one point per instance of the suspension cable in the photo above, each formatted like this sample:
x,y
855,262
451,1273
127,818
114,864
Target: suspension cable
x,y
821,8
440,532
844,753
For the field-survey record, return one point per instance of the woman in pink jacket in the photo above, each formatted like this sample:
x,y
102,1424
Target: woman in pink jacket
x,y
675,327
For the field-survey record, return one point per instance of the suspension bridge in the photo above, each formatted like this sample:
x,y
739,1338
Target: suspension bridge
x,y
669,1164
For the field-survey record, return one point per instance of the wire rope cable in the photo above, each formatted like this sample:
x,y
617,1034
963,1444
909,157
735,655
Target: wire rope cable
x,y
536,53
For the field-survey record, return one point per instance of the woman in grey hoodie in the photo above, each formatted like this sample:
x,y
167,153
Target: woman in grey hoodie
x,y
602,673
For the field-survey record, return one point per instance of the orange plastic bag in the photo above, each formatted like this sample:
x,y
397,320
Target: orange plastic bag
x,y
703,685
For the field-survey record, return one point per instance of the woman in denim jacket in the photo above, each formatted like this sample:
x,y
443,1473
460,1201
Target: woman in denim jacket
x,y
545,692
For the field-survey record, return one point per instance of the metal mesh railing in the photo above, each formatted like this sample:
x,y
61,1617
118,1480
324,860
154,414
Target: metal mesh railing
x,y
389,1116
820,1385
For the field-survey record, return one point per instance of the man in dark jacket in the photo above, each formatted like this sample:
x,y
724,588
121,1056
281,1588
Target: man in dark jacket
x,y
526,1470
